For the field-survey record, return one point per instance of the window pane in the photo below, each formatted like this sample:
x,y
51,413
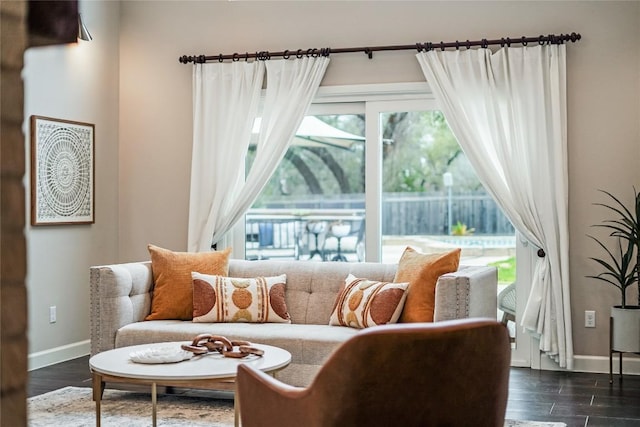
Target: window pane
x,y
313,206
432,199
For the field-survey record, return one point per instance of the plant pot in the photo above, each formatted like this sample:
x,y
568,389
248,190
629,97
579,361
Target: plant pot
x,y
626,328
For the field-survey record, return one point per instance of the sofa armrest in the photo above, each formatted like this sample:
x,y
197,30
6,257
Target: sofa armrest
x,y
469,292
120,295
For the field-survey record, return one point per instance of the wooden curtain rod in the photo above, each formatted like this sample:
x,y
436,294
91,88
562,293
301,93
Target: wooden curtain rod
x,y
299,53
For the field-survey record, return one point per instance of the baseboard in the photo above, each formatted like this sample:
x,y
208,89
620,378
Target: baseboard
x,y
58,354
597,364
600,364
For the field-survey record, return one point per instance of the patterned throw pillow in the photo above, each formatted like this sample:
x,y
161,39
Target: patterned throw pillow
x,y
229,299
172,292
363,303
422,272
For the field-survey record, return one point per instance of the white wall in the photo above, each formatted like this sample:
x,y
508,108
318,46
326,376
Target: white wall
x,y
155,132
76,82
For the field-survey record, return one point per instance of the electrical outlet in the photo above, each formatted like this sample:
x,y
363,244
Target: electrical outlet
x,y
589,319
53,314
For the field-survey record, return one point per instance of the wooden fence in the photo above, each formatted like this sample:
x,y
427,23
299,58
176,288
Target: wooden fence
x,y
411,214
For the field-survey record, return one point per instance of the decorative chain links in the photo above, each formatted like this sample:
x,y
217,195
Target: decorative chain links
x,y
205,343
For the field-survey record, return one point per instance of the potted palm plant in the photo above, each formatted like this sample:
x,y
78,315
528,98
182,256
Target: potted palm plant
x,y
622,270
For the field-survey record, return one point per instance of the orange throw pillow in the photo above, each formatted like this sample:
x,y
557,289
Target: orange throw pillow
x,y
173,292
422,272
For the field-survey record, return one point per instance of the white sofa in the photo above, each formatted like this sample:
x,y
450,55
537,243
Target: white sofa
x,y
121,299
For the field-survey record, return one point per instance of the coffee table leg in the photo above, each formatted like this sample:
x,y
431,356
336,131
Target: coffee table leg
x,y
98,387
154,399
236,408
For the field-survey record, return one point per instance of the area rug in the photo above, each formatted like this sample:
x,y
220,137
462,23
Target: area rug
x,y
74,407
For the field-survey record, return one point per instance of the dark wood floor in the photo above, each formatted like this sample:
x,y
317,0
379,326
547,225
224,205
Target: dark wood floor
x,y
577,399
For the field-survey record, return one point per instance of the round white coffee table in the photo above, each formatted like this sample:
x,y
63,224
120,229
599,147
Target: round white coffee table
x,y
210,371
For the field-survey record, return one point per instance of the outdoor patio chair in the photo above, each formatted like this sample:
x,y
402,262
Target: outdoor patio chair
x,y
507,303
310,240
338,245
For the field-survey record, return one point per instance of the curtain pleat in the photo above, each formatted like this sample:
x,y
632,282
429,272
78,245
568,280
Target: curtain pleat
x,y
226,98
225,103
508,111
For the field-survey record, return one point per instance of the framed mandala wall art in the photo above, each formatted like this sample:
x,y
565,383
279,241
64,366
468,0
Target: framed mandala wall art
x,y
62,164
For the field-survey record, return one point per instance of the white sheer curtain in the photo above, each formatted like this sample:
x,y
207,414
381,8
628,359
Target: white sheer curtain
x,y
226,97
508,112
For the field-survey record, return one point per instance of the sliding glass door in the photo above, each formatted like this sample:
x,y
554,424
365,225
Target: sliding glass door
x,y
365,178
422,192
313,206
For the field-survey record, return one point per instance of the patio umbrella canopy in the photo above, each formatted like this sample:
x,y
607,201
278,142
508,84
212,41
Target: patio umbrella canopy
x,y
313,132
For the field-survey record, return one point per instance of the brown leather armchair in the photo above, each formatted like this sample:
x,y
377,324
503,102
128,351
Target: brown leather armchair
x,y
453,373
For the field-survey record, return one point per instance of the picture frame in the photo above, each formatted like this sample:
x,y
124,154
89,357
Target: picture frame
x,y
62,172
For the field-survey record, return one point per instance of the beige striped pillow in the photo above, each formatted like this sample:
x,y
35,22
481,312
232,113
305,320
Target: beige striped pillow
x,y
363,303
229,299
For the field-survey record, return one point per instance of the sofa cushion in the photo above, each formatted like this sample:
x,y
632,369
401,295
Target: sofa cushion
x,y
312,286
422,272
232,299
172,293
363,303
309,345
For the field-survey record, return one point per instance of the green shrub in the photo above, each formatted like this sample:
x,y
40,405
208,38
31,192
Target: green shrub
x,y
506,270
